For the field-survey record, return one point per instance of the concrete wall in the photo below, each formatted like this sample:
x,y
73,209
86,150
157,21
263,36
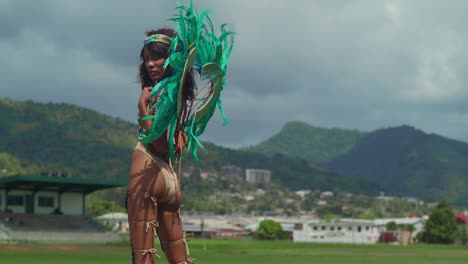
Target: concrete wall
x,y
72,203
338,233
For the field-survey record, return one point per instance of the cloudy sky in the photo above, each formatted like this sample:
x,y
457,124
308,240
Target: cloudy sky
x,y
347,64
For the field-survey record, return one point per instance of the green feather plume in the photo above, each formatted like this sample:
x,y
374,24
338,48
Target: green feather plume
x,y
195,32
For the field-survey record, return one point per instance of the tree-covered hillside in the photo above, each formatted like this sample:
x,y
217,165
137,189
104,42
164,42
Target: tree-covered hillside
x,y
410,162
298,139
65,137
89,144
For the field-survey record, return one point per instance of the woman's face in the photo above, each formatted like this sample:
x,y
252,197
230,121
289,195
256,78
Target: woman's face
x,y
154,66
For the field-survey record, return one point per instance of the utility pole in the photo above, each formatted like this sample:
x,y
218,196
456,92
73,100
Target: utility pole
x,y
353,223
465,236
202,226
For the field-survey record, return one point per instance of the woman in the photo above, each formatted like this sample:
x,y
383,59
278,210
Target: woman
x,y
153,199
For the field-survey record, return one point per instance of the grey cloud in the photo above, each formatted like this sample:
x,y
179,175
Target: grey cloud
x,y
349,64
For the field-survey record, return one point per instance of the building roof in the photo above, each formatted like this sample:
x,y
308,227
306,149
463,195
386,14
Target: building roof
x,y
45,183
407,220
113,216
210,223
378,222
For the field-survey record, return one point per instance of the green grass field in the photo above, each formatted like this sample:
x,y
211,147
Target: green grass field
x,y
223,251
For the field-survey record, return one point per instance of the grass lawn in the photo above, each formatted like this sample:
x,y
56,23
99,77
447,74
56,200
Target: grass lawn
x,y
226,252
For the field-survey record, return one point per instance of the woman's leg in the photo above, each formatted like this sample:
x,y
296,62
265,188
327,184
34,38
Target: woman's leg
x,y
144,185
172,236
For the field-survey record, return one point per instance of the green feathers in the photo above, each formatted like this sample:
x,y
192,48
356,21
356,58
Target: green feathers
x,y
196,47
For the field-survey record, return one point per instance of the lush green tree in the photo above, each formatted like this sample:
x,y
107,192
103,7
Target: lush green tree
x,y
441,228
368,215
97,207
408,227
391,226
271,230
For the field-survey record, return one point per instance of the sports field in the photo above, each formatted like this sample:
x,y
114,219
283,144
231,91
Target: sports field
x,y
222,251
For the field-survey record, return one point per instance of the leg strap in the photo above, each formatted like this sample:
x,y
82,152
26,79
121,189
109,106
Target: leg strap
x,y
151,251
179,211
185,239
152,199
146,195
188,261
149,224
177,208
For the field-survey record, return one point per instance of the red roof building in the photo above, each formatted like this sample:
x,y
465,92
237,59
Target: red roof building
x,y
462,218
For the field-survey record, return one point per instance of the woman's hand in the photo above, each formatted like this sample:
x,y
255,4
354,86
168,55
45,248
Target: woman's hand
x,y
143,101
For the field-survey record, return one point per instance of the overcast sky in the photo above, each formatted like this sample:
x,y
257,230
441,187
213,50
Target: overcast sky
x,y
348,64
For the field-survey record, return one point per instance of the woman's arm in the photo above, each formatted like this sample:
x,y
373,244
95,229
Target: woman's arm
x,y
143,106
159,145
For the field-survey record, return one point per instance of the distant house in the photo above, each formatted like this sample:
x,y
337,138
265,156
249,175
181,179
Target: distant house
x,y
257,176
414,201
349,230
303,193
260,192
249,197
204,175
322,202
326,195
212,227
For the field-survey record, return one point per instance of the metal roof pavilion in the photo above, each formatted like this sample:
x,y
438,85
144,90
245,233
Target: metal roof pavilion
x,y
62,184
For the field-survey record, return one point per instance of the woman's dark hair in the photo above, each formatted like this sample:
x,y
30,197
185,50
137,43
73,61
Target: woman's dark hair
x,y
161,50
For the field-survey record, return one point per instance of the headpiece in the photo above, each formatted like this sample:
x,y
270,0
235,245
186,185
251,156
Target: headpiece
x,y
157,38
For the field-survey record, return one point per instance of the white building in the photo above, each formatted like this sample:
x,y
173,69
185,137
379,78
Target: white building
x,y
303,193
326,195
349,230
116,220
257,176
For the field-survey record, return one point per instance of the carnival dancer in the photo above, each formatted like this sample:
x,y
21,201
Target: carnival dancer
x,y
172,114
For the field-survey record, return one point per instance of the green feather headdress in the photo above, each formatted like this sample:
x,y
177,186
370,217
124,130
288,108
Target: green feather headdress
x,y
196,46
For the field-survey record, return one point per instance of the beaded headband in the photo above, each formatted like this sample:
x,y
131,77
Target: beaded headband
x,y
157,38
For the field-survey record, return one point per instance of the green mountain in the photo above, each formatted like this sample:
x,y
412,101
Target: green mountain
x,y
63,137
404,160
298,139
410,162
85,143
